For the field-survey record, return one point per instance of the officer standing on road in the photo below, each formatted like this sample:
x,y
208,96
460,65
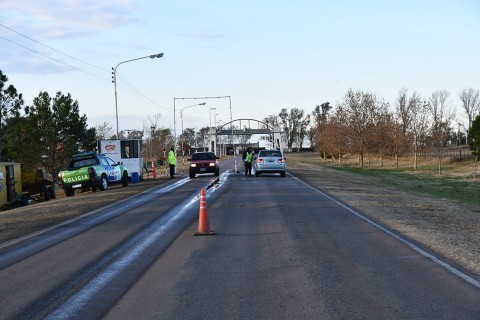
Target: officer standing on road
x,y
248,158
172,161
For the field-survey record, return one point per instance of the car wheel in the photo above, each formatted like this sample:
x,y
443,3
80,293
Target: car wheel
x,y
69,192
51,191
282,174
125,179
192,175
103,183
45,192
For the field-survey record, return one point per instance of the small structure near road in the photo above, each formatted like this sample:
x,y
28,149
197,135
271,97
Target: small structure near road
x,y
10,182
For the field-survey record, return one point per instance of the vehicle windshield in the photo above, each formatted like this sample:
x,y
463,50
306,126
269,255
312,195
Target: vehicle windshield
x,y
203,156
270,153
79,163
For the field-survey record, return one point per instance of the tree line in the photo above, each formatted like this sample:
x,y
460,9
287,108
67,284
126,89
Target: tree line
x,y
51,130
364,125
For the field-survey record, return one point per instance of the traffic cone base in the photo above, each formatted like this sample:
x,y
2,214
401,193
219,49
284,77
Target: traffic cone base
x,y
203,225
211,233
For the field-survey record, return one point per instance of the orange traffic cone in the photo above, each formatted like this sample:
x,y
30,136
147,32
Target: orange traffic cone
x,y
203,225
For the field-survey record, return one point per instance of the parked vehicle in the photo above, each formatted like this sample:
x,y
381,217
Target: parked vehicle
x,y
270,161
127,152
38,185
203,162
91,171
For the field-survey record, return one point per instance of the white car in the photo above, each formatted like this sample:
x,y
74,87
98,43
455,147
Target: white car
x,y
270,161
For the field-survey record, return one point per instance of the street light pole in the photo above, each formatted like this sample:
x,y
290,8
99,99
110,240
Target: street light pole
x,y
183,137
210,127
114,77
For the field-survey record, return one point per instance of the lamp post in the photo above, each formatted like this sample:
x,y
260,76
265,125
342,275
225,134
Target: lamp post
x,y
183,137
114,80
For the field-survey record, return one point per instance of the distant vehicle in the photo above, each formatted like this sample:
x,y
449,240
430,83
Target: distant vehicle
x,y
269,161
203,162
91,171
38,185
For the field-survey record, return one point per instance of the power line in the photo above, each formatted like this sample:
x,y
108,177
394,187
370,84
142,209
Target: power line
x,y
136,92
65,54
56,60
141,94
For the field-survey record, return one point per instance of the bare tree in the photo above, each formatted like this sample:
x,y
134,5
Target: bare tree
x,y
153,149
419,125
442,118
334,140
303,130
319,115
104,131
471,103
384,133
360,110
403,109
291,123
398,137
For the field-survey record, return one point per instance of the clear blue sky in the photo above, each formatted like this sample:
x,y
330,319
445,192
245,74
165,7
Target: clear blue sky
x,y
265,55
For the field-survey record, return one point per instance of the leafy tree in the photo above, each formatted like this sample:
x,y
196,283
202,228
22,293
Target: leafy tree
x,y
187,138
10,105
474,140
203,137
20,144
59,130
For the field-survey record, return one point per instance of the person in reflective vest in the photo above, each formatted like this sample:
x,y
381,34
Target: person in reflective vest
x,y
248,159
172,162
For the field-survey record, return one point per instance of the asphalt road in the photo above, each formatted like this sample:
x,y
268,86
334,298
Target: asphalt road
x,y
282,250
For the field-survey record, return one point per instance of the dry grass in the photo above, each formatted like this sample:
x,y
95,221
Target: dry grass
x,y
456,182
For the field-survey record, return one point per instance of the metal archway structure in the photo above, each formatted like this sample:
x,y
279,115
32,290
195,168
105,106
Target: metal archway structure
x,y
246,127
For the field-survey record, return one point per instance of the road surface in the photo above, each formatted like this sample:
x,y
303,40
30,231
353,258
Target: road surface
x,y
282,250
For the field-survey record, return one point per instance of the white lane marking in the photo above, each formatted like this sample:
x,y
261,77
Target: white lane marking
x,y
77,302
161,189
445,265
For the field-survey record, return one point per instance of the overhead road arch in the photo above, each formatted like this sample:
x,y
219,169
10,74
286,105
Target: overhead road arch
x,y
246,126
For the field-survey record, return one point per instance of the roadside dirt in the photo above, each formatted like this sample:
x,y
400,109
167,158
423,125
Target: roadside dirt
x,y
451,230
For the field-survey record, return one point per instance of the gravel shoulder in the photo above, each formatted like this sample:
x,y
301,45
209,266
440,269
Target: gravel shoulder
x,y
447,229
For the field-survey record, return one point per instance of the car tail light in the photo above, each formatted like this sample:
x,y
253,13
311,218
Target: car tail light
x,y
260,160
281,160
